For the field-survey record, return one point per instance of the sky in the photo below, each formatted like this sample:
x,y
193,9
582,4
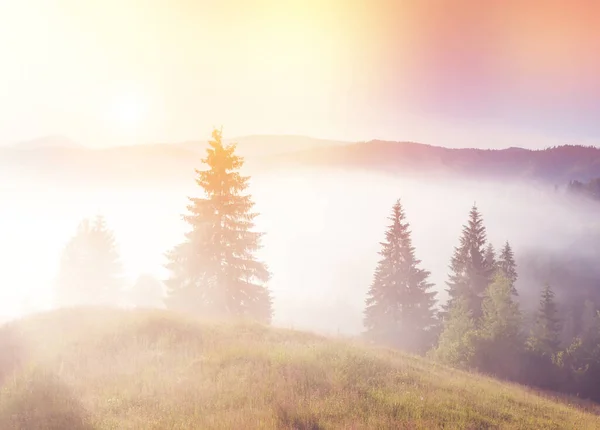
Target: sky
x,y
488,74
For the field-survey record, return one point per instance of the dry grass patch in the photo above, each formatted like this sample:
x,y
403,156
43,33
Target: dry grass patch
x,y
108,369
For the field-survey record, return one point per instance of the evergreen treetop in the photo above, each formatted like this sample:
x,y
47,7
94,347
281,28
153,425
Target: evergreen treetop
x,y
490,256
507,266
545,335
470,273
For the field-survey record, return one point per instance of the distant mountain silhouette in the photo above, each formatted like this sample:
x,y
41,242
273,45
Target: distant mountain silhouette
x,y
558,164
155,163
268,145
161,162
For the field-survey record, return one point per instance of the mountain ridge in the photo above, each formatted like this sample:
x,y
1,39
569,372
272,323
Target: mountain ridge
x,y
555,165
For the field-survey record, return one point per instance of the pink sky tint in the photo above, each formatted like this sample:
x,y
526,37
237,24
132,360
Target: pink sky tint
x,y
443,72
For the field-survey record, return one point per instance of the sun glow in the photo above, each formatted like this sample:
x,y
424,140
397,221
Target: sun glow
x,y
128,112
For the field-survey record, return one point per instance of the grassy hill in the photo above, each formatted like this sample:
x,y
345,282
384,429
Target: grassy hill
x,y
105,369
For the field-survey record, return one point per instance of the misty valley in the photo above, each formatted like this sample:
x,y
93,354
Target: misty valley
x,y
299,215
323,232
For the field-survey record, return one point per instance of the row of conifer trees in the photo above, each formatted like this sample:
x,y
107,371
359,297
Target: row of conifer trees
x,y
214,273
481,326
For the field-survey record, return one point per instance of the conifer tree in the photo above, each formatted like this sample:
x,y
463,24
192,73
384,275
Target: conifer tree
x,y
399,305
90,270
214,272
456,345
501,341
470,274
568,330
507,266
545,335
501,314
580,360
490,256
589,318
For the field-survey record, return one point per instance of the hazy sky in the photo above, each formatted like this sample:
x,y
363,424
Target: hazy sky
x,y
469,73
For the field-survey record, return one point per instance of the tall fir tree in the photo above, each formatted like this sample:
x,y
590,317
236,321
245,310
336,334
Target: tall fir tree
x,y
545,334
90,271
399,305
470,273
507,266
214,272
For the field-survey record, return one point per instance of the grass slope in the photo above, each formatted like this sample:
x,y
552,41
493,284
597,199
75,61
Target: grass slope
x,y
103,369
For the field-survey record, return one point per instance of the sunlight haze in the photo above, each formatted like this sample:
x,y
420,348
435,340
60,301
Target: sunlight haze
x,y
125,72
299,214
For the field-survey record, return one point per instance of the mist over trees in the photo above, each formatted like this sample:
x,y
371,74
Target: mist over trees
x,y
482,326
90,269
147,292
485,325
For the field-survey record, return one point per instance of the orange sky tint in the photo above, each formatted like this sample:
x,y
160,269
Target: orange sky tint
x,y
493,73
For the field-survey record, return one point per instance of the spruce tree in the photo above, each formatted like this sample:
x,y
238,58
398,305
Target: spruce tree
x,y
470,274
90,270
214,272
545,334
507,266
399,305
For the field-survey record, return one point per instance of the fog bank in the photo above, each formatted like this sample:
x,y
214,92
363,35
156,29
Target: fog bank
x,y
323,230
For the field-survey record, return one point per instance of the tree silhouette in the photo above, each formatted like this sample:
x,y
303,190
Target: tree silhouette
x,y
470,272
507,266
545,335
399,305
214,271
500,339
90,270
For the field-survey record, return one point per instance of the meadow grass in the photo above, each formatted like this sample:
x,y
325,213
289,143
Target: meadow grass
x,y
108,369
